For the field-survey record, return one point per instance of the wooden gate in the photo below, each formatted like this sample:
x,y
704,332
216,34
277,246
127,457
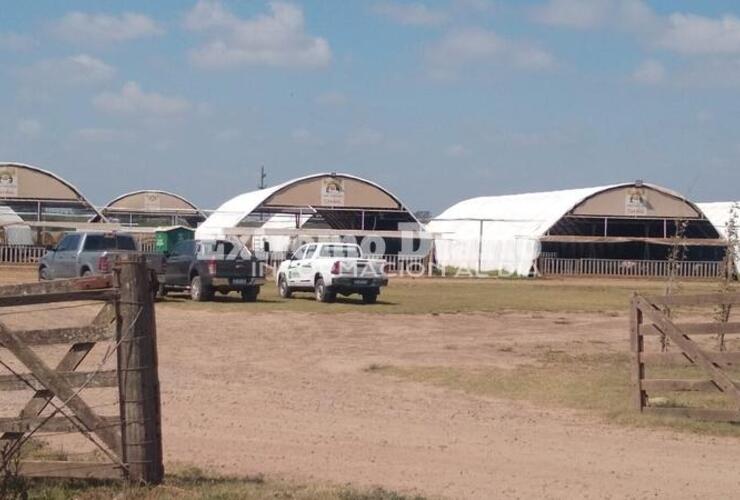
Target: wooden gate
x,y
689,351
129,439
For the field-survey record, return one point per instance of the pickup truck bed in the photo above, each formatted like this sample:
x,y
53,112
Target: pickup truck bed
x,y
203,267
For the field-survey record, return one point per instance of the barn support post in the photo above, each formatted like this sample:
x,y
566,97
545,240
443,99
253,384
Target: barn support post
x,y
137,368
480,246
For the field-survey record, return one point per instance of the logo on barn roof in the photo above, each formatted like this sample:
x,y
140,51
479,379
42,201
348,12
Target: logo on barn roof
x,y
332,192
636,202
8,182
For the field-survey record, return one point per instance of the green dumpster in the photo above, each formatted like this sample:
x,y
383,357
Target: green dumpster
x,y
167,238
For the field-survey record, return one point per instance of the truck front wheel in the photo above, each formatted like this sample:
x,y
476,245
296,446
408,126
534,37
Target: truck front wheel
x,y
322,292
283,288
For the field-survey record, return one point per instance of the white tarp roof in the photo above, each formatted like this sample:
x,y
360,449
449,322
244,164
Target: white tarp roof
x,y
231,213
511,227
719,214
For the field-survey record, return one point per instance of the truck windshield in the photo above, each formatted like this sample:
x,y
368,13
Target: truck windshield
x,y
350,251
99,242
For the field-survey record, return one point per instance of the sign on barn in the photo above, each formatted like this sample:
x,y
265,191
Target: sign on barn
x,y
8,182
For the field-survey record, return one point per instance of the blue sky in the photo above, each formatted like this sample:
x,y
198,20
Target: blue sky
x,y
438,101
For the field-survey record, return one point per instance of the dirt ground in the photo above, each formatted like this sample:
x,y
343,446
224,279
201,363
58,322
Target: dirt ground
x,y
294,395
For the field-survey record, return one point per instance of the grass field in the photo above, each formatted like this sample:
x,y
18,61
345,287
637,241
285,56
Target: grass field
x,y
195,484
430,295
598,384
441,295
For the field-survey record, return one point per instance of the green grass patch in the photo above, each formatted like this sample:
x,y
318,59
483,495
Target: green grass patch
x,y
439,296
597,384
193,483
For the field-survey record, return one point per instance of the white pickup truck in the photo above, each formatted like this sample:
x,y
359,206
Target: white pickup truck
x,y
328,269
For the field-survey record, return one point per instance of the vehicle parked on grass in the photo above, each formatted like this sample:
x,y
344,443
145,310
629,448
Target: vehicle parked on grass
x,y
331,269
87,253
203,267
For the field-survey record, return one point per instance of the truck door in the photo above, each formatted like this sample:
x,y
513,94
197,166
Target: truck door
x,y
294,267
65,257
178,263
306,270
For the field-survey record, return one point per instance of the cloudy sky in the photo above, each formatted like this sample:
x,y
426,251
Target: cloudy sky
x,y
438,101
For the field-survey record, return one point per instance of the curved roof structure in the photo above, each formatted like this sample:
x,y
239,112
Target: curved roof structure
x,y
504,231
24,184
151,200
22,181
312,193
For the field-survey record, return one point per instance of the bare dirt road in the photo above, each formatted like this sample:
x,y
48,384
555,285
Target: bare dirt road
x,y
289,395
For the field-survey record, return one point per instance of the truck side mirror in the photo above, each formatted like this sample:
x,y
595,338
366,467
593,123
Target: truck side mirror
x,y
266,246
290,256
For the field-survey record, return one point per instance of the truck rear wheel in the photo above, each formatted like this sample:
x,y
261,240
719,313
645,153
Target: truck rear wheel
x,y
322,292
370,296
250,294
198,291
283,288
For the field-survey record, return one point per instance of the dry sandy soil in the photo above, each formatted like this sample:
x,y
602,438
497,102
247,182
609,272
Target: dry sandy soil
x,y
288,394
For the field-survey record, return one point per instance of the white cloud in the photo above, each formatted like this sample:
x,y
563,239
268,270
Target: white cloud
x,y
715,72
364,137
81,27
580,14
482,48
29,127
131,100
102,135
305,137
687,34
275,39
81,69
415,14
692,34
228,134
332,98
16,43
650,72
629,15
457,151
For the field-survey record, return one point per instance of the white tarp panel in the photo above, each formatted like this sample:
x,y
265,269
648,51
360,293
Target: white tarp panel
x,y
719,214
16,233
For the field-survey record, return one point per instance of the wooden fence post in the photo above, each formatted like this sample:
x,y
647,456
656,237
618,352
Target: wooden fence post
x,y
636,344
137,366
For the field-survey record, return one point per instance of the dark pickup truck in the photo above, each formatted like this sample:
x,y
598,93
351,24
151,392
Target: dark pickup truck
x,y
204,267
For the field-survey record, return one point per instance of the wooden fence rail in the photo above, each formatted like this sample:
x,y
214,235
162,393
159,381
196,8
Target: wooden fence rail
x,y
649,319
131,439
